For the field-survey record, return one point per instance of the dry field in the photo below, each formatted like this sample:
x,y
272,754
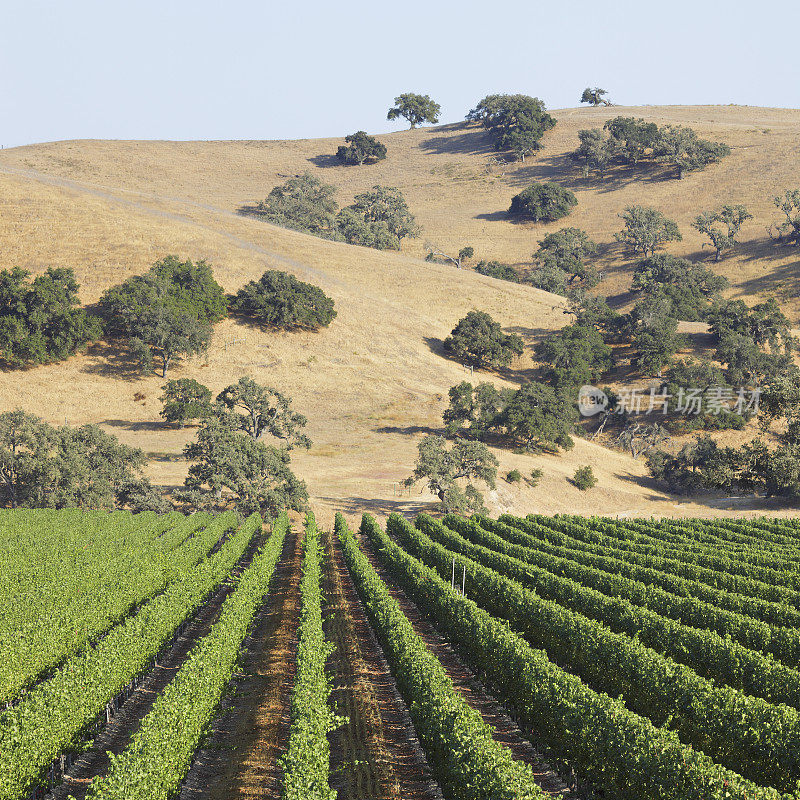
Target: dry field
x,y
374,381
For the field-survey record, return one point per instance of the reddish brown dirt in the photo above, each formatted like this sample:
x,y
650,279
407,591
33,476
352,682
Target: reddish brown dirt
x,y
117,734
240,758
376,755
505,730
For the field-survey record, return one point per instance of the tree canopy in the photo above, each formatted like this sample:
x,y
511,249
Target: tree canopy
x,y
303,203
416,108
185,399
278,300
386,208
646,230
538,417
167,312
561,261
573,356
595,97
722,226
361,147
543,202
478,340
41,320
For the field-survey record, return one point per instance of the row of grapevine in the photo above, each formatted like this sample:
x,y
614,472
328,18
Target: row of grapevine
x,y
656,570
705,651
612,745
52,717
306,764
718,569
41,629
468,763
157,759
760,740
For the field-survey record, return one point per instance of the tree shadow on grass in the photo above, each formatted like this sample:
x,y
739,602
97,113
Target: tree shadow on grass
x,y
459,138
410,430
406,506
113,359
127,425
326,161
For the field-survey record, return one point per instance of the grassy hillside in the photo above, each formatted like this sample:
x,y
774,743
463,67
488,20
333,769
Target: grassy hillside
x,y
375,380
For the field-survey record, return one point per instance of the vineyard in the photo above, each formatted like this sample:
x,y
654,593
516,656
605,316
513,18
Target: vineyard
x,y
147,657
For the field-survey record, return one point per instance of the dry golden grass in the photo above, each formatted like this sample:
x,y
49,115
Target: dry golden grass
x,y
373,381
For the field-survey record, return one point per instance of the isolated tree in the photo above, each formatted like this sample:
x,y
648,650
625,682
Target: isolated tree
x,y
361,147
185,399
681,146
790,205
473,411
543,202
567,250
416,108
538,417
261,410
41,321
442,467
515,121
232,468
686,286
646,229
722,227
584,478
166,313
385,205
595,97
303,203
464,254
478,340
573,356
278,300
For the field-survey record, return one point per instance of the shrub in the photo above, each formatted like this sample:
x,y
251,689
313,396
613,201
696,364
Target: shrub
x,y
534,477
543,202
514,476
584,478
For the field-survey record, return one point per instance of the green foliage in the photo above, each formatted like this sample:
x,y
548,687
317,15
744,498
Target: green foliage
x,y
42,466
535,477
561,260
361,147
416,108
513,476
303,203
681,147
686,287
40,320
495,269
278,300
478,340
442,467
259,410
306,764
538,417
167,312
722,227
655,336
584,478
646,230
596,152
516,122
385,206
185,399
543,202
595,97
790,205
231,468
473,412
573,356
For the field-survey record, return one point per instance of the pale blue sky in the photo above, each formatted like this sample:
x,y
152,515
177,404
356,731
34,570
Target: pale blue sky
x,y
262,70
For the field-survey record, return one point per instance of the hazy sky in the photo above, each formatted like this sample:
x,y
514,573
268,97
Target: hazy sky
x,y
261,70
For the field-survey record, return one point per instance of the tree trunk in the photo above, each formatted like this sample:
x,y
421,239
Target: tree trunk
x,y
718,256
166,367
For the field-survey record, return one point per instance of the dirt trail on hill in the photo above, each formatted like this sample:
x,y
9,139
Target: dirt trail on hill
x,y
240,758
505,730
376,755
116,736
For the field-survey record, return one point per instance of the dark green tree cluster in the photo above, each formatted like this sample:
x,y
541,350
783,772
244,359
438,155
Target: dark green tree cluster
x,y
631,141
535,417
41,320
379,218
516,122
479,341
543,202
278,300
232,466
573,356
360,148
497,269
42,466
417,109
166,313
561,262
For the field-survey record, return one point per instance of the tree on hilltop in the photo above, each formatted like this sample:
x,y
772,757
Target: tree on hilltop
x,y
416,108
595,97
